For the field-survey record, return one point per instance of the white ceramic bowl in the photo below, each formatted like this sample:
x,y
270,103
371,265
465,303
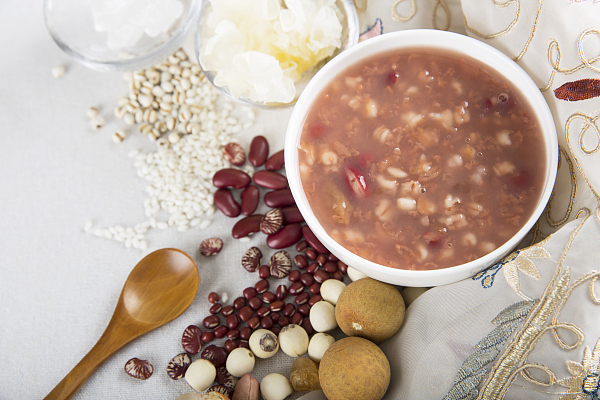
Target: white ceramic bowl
x,y
450,42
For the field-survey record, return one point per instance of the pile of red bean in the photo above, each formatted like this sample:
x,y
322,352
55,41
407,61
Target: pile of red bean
x,y
258,307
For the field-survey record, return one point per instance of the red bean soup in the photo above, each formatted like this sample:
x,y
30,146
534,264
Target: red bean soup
x,y
418,159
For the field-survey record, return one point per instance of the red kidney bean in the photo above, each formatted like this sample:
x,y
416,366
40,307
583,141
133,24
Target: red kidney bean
x,y
213,297
245,313
232,321
270,179
233,334
221,331
312,240
313,300
276,330
253,322
275,162
269,297
259,151
312,268
279,198
287,236
230,345
264,272
332,258
315,288
291,214
266,322
227,310
297,319
283,321
294,276
208,336
275,316
330,267
215,308
302,298
308,326
226,203
289,310
301,246
263,312
304,310
249,293
321,259
210,322
338,276
245,344
282,292
296,288
255,303
261,286
250,198
239,302
230,177
277,305
310,254
306,279
321,276
342,267
245,333
246,226
300,261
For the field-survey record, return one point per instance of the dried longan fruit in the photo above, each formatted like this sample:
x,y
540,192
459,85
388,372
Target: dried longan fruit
x,y
305,375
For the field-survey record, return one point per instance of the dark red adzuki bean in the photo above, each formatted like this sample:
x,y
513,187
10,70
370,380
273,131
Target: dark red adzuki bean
x,y
262,286
250,199
332,258
221,331
232,321
300,261
245,344
255,303
245,313
342,267
266,322
286,237
253,323
312,268
225,202
296,288
315,288
282,292
321,276
304,309
275,162
239,302
313,300
291,214
301,246
275,316
321,259
289,310
227,310
312,240
231,177
279,198
307,326
330,267
294,276
215,308
208,337
259,151
264,272
297,319
270,180
338,276
249,293
210,322
230,345
269,297
307,279
283,321
311,254
213,297
277,306
246,226
263,311
233,334
276,330
302,298
245,333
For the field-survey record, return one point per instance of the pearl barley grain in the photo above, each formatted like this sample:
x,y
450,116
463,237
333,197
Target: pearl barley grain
x,y
58,71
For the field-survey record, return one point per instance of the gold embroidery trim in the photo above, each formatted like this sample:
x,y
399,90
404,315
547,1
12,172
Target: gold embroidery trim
x,y
401,18
532,34
505,30
362,7
448,15
552,222
589,122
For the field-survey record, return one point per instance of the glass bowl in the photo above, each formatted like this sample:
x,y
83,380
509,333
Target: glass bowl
x,y
71,25
350,36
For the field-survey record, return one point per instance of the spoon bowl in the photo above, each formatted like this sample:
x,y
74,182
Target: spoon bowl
x,y
158,290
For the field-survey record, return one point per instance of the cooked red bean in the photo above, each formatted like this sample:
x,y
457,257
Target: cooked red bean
x,y
259,151
330,267
287,236
246,226
311,254
313,300
255,303
296,288
275,162
276,330
227,310
239,302
283,321
261,286
230,177
277,305
253,322
249,293
289,310
315,288
301,245
269,297
266,322
302,298
291,214
264,272
213,297
297,319
233,334
304,309
232,321
321,259
307,279
263,311
245,313
294,276
312,240
312,268
342,267
321,276
282,292
307,326
270,179
208,336
226,203
245,344
338,275
210,322
215,308
245,333
250,198
221,331
230,345
279,198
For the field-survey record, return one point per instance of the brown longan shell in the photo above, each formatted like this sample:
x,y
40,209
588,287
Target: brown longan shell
x,y
375,307
354,368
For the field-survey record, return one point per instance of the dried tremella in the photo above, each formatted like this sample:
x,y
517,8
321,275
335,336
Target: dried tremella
x,y
234,153
211,246
178,365
305,375
251,260
281,264
139,369
271,222
191,340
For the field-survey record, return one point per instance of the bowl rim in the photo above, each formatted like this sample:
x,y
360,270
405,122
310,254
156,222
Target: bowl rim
x,y
446,41
136,63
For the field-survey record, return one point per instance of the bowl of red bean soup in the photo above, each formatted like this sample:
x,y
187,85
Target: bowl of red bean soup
x,y
421,157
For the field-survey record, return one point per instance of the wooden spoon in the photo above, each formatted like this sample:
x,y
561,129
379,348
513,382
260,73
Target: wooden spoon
x,y
158,290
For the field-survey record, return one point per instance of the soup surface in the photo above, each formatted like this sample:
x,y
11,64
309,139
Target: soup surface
x,y
421,160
